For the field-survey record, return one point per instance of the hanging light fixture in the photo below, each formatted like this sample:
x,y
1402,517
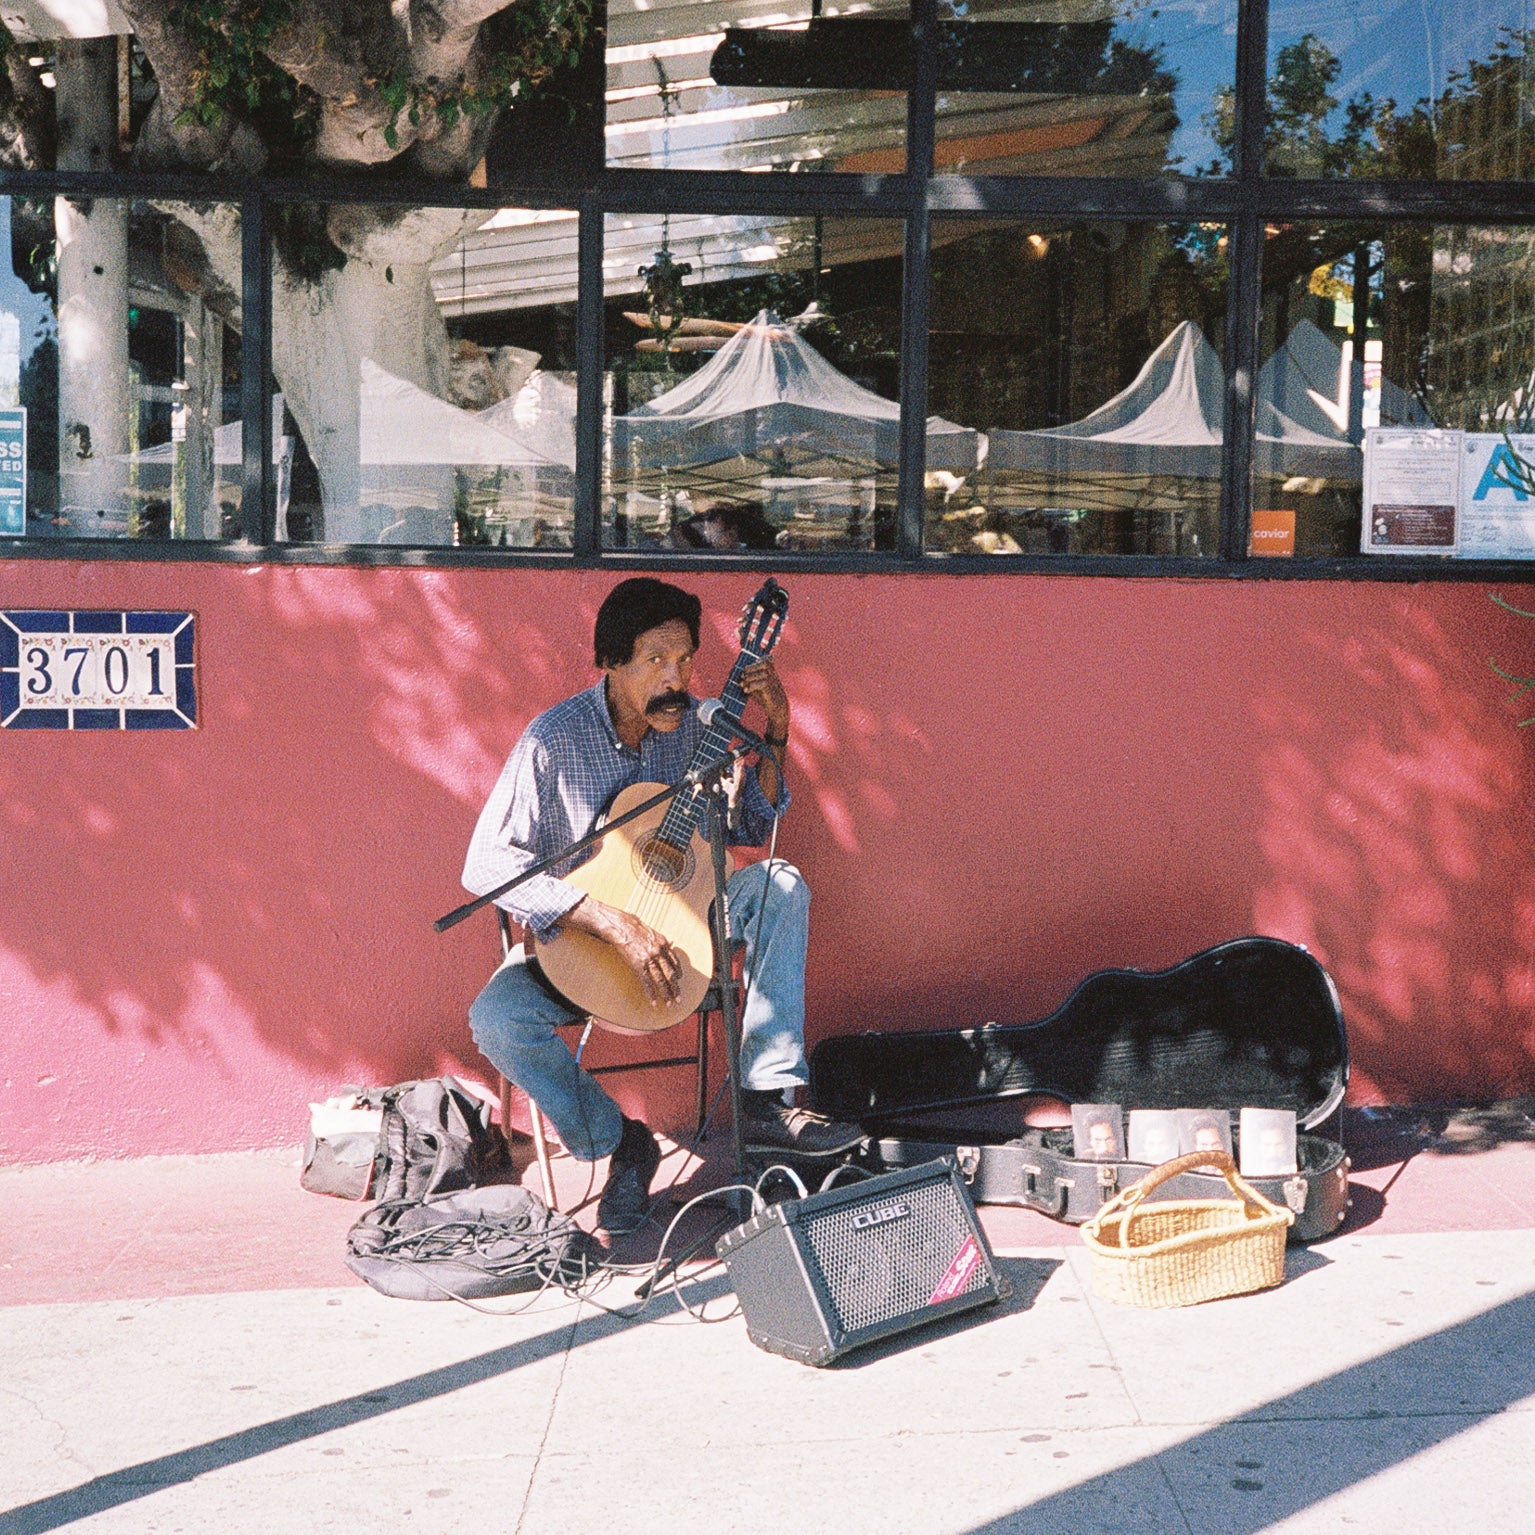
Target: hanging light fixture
x,y
663,292
663,277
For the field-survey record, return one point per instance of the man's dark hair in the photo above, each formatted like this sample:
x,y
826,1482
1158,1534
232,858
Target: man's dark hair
x,y
632,607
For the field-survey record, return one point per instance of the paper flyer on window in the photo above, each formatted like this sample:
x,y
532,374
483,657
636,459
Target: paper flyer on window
x,y
1412,478
1497,510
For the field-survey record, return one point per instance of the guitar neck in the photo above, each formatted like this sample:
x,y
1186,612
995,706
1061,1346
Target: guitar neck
x,y
686,810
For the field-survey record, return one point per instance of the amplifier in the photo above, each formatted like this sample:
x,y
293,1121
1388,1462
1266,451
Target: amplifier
x,y
819,1276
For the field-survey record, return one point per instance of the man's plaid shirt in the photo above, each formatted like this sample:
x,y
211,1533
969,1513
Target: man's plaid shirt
x,y
561,775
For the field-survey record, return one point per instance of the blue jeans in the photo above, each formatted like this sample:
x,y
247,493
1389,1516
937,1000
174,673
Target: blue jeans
x,y
514,1019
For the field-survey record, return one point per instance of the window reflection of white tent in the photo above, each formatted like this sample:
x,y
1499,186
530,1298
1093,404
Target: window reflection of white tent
x,y
1155,447
542,417
228,449
768,414
1168,422
401,424
517,456
1309,380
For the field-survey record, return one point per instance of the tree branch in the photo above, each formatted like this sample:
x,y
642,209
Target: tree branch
x,y
450,153
382,100
418,82
446,48
343,50
443,34
215,230
415,236
173,136
465,14
27,138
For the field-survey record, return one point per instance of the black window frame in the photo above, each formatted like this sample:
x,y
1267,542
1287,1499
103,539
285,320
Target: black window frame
x,y
1245,200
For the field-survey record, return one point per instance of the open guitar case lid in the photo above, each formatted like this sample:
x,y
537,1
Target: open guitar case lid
x,y
1251,1023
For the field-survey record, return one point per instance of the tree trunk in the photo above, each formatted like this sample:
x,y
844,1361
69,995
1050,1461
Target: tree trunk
x,y
202,334
379,306
92,239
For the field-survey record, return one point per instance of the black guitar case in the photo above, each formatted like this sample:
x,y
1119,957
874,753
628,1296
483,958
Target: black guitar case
x,y
1253,1023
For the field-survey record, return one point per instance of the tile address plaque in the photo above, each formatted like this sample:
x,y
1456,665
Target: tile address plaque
x,y
97,670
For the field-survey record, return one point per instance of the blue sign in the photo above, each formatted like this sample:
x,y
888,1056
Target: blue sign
x,y
1502,473
13,471
98,670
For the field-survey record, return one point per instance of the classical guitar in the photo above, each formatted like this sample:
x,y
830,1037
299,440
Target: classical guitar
x,y
658,867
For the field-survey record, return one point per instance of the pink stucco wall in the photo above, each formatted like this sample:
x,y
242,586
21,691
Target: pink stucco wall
x,y
1003,782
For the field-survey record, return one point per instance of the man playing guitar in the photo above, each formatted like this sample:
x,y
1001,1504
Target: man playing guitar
x,y
640,724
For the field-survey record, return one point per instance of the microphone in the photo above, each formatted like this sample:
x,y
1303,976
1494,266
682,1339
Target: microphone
x,y
713,713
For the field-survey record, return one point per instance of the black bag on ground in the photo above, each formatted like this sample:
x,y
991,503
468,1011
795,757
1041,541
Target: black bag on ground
x,y
468,1245
436,1137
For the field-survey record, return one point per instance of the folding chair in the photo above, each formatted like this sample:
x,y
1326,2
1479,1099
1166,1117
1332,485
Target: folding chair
x,y
710,1006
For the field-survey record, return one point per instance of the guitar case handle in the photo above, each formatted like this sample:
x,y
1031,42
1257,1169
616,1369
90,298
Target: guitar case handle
x,y
1051,1203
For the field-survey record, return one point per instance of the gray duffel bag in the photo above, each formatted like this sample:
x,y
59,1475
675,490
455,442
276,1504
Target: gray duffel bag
x,y
497,1240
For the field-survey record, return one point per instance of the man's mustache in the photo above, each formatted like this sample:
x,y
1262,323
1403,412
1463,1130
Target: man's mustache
x,y
673,700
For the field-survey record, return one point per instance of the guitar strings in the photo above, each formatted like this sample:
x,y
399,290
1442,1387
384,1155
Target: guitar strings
x,y
650,897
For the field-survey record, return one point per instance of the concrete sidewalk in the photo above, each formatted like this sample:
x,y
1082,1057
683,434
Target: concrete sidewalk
x,y
195,1362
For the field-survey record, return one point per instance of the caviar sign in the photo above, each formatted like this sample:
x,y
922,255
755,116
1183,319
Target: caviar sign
x,y
63,670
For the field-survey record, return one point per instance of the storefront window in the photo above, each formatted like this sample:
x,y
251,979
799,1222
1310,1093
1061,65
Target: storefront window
x,y
1085,88
744,366
725,86
1420,88
753,383
120,369
1416,327
1089,356
425,358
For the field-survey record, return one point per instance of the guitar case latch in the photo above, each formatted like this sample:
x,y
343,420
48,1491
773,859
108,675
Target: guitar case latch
x,y
1295,1190
1108,1177
969,1159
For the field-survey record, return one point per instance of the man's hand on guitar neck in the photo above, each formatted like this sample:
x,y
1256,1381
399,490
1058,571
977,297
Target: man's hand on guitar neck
x,y
761,682
645,951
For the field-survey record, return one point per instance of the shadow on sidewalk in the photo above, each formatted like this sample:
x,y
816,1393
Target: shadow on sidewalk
x,y
116,1488
1363,1419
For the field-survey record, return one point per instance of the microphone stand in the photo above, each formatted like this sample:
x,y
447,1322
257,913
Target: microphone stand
x,y
692,779
737,1206
710,781
724,980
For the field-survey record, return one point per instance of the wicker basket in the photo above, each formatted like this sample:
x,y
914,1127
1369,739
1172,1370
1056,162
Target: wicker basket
x,y
1178,1252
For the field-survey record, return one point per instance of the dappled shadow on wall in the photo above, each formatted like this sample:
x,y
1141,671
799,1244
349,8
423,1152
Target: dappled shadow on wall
x,y
266,884
843,750
1396,829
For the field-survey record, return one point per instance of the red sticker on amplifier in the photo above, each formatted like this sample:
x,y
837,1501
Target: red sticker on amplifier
x,y
965,1263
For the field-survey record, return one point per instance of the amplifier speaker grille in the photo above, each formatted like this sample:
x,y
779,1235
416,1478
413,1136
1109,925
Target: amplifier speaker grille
x,y
822,1275
876,1273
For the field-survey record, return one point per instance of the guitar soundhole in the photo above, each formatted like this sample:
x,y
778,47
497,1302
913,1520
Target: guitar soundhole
x,y
663,864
